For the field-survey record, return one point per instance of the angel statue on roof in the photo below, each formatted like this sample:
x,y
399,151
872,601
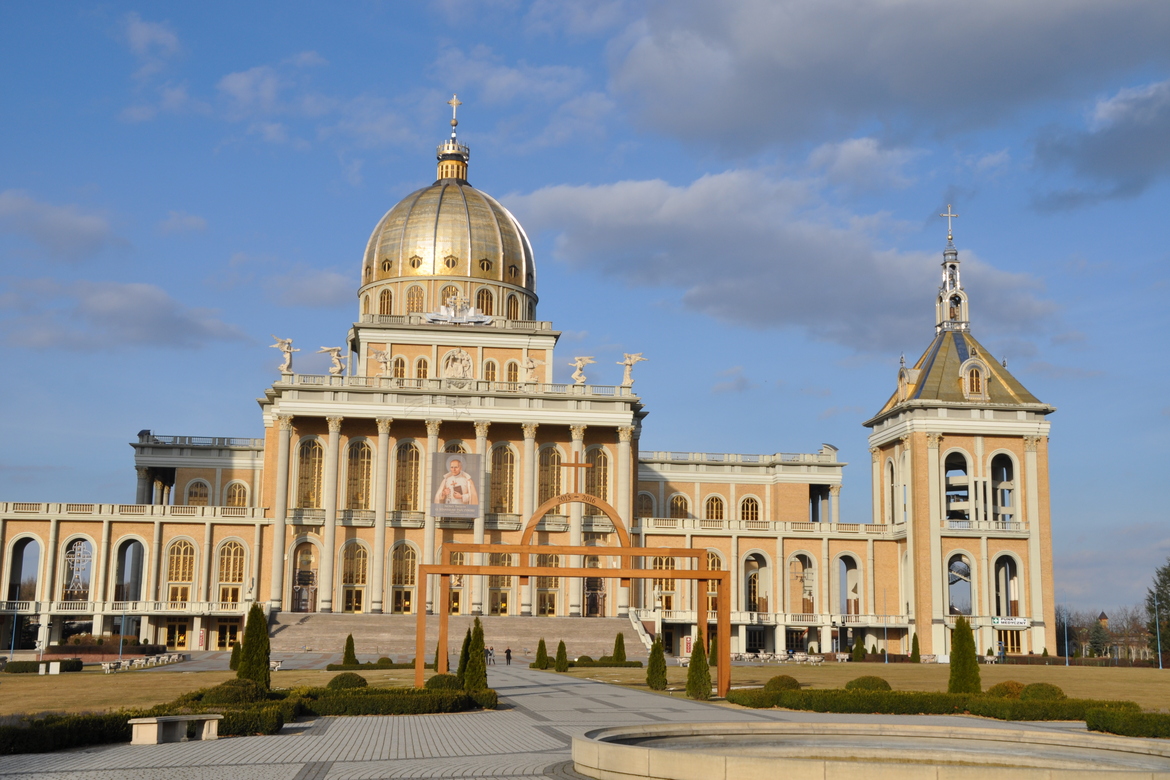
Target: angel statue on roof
x,y
579,363
629,362
334,354
286,347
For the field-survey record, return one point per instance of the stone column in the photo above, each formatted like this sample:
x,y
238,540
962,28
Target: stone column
x,y
824,607
476,584
49,585
835,492
156,496
880,490
208,554
280,511
142,496
575,514
329,497
429,523
625,480
1035,607
528,483
97,588
155,563
934,521
381,464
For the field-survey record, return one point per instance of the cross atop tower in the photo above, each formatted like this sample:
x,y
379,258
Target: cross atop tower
x,y
455,102
949,217
575,465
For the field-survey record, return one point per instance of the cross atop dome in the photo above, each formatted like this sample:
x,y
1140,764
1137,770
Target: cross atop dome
x,y
455,102
948,215
453,156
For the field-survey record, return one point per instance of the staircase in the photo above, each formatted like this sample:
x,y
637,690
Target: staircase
x,y
375,636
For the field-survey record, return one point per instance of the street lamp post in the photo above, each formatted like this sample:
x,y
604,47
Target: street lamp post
x,y
1158,625
885,628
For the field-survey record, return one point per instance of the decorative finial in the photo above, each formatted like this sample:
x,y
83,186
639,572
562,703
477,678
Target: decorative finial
x,y
1004,361
455,102
949,217
902,360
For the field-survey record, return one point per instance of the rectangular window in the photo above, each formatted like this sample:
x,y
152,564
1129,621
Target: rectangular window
x,y
546,604
229,594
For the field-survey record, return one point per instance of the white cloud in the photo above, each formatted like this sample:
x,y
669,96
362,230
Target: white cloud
x,y
498,83
153,43
574,17
752,249
312,287
182,222
735,382
992,163
862,164
746,73
87,315
251,91
64,232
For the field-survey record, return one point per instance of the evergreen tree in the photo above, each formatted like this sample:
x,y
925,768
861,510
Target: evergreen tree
x,y
234,663
699,673
964,663
915,656
1158,625
562,657
541,655
254,656
858,649
475,675
713,651
349,658
656,667
619,648
464,654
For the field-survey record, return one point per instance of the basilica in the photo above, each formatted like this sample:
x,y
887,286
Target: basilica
x,y
439,423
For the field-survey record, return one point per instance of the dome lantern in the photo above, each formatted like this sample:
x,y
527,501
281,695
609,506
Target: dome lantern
x,y
452,155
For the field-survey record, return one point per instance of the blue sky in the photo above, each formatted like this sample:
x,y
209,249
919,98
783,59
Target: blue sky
x,y
744,191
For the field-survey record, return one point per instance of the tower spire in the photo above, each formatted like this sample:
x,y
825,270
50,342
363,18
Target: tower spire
x,y
951,306
452,155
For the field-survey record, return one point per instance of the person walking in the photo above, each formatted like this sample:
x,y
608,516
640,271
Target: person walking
x,y
508,656
491,656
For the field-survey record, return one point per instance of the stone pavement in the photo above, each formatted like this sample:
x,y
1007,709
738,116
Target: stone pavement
x,y
529,736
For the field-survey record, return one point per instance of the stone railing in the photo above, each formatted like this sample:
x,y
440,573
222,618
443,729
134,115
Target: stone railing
x,y
450,385
147,437
740,617
23,509
128,607
985,525
501,323
726,457
684,524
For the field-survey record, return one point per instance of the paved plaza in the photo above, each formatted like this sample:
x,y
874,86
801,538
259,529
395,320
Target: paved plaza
x,y
529,736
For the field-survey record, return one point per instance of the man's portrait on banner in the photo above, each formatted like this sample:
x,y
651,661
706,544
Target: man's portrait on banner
x,y
455,477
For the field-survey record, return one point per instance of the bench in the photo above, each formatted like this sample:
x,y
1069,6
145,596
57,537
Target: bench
x,y
274,666
172,728
683,661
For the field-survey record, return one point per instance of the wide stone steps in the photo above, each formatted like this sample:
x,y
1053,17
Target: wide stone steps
x,y
393,635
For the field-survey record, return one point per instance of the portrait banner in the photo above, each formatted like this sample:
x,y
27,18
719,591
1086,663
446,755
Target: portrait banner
x,y
455,481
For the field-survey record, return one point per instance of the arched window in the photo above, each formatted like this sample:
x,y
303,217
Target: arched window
x,y
644,506
353,565
597,478
24,568
422,368
959,585
802,585
512,372
664,587
513,307
503,480
958,488
399,370
386,302
403,565
714,508
455,446
975,382
78,570
1003,487
680,507
484,301
551,561
414,300
197,494
892,514
304,586
489,371
499,580
1007,587
849,586
231,572
714,563
180,571
357,483
128,578
449,292
237,494
310,459
749,510
366,303
406,478
752,595
549,478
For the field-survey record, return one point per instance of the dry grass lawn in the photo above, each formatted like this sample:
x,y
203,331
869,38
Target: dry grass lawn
x,y
1150,688
91,691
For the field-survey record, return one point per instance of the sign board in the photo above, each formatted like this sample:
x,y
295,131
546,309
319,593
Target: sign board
x,y
1011,622
202,639
455,480
688,645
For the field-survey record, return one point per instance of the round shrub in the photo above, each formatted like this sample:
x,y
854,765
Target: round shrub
x,y
1008,689
867,683
781,682
385,661
237,691
346,680
584,659
444,682
1041,692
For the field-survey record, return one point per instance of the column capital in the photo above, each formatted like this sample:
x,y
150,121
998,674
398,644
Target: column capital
x,y
530,430
834,490
626,433
384,424
1031,443
481,429
433,427
933,439
875,453
143,471
334,424
578,432
284,421
904,440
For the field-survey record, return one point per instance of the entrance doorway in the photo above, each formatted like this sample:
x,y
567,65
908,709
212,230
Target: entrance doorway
x,y
227,634
594,590
352,599
177,633
304,578
498,602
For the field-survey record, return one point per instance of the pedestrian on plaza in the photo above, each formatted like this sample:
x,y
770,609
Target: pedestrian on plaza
x,y
508,656
491,656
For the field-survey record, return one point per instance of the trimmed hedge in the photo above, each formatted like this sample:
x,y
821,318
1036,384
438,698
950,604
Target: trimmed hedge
x,y
781,682
488,699
381,663
60,732
391,702
1129,724
604,664
868,683
103,649
924,703
443,682
234,692
253,720
1041,692
33,667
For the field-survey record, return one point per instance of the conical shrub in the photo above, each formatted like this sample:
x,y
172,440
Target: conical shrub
x,y
619,648
562,657
464,654
656,667
254,656
541,655
964,663
858,649
234,662
475,675
349,658
699,673
915,656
